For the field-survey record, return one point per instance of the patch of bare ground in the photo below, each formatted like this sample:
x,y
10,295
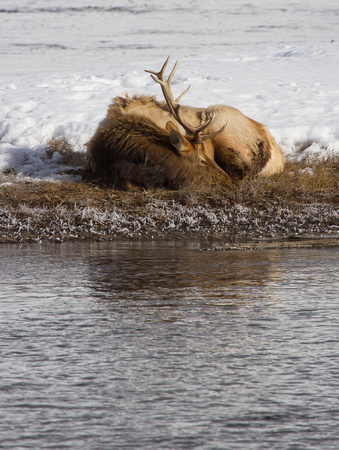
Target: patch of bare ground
x,y
302,201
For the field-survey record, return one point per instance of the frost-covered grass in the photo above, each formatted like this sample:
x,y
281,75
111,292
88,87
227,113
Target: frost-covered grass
x,y
162,218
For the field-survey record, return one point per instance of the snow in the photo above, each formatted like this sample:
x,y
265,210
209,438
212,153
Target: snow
x,y
61,65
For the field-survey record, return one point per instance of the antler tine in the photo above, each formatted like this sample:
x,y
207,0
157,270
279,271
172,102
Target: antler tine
x,y
161,75
181,95
171,75
203,137
170,78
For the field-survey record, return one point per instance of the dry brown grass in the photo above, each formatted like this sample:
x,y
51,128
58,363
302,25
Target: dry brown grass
x,y
298,183
69,156
48,194
316,181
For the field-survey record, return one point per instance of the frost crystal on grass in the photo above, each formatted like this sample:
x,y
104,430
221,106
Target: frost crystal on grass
x,y
36,224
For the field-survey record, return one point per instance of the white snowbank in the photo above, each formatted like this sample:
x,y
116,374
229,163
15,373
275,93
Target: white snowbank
x,y
292,88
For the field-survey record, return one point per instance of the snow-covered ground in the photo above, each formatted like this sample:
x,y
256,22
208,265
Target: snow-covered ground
x,y
62,63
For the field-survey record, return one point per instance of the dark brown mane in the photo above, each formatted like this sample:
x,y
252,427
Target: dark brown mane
x,y
128,138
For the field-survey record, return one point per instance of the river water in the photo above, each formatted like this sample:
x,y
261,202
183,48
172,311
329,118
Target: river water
x,y
161,345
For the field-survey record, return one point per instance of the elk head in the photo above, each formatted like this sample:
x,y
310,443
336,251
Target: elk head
x,y
182,144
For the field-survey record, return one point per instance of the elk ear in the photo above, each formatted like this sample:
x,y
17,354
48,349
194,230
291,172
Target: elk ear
x,y
177,139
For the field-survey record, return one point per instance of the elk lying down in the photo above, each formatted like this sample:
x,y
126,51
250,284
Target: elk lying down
x,y
147,143
130,151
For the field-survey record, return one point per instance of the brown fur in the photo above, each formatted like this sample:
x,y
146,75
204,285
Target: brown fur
x,y
129,150
244,144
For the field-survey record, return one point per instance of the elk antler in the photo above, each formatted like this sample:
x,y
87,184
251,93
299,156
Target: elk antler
x,y
174,107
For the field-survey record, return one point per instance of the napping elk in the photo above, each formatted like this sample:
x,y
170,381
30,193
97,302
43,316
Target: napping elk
x,y
143,142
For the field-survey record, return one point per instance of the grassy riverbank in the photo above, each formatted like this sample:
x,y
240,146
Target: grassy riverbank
x,y
303,201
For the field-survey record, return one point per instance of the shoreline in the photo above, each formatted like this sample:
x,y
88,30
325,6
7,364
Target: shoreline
x,y
329,241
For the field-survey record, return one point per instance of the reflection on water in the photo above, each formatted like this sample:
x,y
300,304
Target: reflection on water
x,y
160,345
175,279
